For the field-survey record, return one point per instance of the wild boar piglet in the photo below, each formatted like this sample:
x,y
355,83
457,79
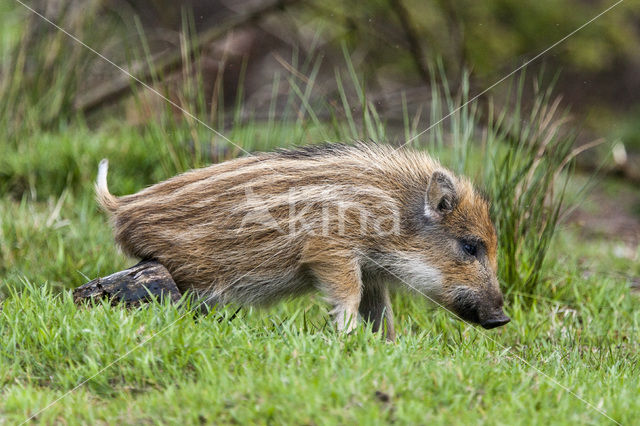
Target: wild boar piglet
x,y
346,220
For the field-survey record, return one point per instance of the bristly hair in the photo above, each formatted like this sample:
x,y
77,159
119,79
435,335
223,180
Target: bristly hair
x,y
483,193
328,148
312,151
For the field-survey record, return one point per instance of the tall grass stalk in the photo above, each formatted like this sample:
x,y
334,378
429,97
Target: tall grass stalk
x,y
528,163
41,68
525,152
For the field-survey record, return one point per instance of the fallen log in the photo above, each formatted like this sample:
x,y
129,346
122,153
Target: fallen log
x,y
142,283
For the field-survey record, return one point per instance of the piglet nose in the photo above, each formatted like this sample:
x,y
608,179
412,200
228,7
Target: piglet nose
x,y
497,321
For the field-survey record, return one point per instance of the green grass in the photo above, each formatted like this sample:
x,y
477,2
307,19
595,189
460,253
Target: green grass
x,y
163,364
286,364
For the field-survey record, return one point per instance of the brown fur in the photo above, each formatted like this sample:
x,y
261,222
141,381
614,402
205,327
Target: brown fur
x,y
345,220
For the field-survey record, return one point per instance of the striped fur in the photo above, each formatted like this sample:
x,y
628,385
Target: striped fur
x,y
341,219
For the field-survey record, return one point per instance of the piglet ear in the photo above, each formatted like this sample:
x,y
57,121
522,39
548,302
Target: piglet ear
x,y
442,198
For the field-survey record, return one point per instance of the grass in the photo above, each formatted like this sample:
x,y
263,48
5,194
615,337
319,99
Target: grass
x,y
285,364
163,364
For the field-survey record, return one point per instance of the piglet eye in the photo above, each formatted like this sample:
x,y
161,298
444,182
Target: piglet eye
x,y
470,248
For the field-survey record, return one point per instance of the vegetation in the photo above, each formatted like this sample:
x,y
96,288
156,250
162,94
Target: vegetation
x,y
570,353
286,365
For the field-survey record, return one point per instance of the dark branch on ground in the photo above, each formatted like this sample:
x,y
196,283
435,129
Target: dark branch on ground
x,y
142,283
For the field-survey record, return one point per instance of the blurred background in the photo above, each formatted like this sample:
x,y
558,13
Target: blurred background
x,y
393,45
268,73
